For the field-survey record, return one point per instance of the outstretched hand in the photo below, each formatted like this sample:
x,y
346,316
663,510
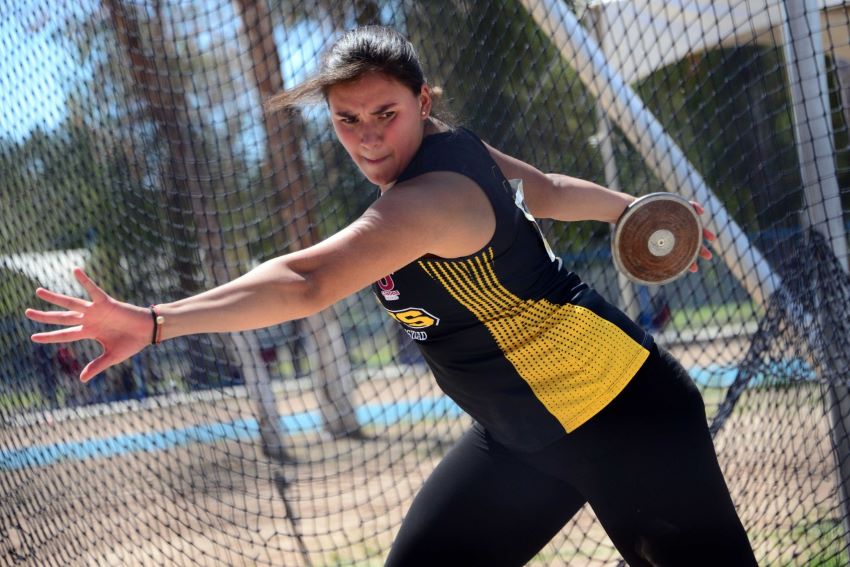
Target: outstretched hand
x,y
704,252
121,329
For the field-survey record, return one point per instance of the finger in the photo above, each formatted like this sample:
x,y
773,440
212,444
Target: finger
x,y
60,300
68,335
95,367
54,317
697,207
705,253
708,235
693,268
95,293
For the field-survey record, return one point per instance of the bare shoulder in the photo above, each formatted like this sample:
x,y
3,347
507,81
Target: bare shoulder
x,y
448,210
439,213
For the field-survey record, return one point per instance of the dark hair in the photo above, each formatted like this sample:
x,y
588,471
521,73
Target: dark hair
x,y
362,50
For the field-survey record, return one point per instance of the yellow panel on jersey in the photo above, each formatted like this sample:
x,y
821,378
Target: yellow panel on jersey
x,y
575,361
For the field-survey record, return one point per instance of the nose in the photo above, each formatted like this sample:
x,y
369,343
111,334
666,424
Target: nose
x,y
371,135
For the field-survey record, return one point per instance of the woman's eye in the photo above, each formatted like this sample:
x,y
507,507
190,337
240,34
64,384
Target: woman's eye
x,y
388,115
348,120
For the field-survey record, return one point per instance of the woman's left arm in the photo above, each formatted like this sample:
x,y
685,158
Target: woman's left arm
x,y
565,198
561,197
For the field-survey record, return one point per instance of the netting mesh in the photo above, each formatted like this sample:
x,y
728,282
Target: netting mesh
x,y
133,142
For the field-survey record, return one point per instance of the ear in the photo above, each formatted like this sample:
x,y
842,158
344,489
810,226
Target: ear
x,y
425,101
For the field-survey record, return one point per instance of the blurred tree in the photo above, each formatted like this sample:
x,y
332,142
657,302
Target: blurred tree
x,y
331,369
25,368
37,190
159,75
162,86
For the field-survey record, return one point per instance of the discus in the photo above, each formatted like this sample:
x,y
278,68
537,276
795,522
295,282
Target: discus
x,y
656,239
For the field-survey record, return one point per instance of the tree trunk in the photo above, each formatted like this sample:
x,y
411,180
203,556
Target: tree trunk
x,y
330,366
145,76
166,103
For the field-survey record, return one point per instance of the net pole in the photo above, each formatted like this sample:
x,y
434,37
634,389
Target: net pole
x,y
806,71
330,368
258,385
626,109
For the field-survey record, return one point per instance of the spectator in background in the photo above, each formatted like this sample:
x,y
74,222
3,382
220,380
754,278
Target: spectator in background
x,y
46,375
69,368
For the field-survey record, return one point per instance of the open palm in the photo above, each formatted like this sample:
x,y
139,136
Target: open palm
x,y
121,329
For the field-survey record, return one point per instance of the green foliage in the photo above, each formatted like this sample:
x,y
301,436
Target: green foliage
x,y
841,128
715,315
823,541
751,166
17,401
16,293
45,178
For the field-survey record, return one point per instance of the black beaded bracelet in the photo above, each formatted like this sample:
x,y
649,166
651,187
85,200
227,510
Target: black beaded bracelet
x,y
158,321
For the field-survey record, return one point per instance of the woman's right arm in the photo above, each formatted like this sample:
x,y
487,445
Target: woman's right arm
x,y
405,224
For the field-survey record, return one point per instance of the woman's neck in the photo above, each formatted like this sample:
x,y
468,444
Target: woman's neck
x,y
432,126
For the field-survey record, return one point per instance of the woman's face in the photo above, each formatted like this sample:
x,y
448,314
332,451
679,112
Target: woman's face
x,y
380,122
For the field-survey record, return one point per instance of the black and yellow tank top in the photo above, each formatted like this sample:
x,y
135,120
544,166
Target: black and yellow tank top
x,y
521,344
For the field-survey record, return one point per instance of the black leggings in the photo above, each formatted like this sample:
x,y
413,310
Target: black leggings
x,y
645,464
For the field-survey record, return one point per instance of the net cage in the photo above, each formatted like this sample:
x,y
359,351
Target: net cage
x,y
133,142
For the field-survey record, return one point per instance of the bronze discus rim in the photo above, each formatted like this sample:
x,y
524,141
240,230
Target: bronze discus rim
x,y
656,239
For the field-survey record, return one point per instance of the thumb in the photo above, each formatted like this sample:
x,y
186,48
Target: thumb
x,y
95,367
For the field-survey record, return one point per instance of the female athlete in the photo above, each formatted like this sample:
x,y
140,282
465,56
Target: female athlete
x,y
573,402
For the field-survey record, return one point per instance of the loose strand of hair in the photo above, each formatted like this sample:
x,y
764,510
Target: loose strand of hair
x,y
310,91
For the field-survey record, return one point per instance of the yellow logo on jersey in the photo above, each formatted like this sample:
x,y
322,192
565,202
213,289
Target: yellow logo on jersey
x,y
415,318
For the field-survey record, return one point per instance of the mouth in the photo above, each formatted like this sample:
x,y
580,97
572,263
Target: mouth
x,y
374,161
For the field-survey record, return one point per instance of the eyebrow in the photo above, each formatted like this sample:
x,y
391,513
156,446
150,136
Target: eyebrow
x,y
380,110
